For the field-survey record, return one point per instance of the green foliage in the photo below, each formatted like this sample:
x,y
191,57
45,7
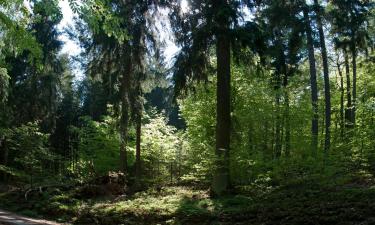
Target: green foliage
x,y
253,113
14,19
182,205
160,147
51,127
29,152
98,146
101,16
4,83
198,111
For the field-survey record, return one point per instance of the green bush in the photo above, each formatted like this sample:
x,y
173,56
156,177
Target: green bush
x,y
29,152
98,146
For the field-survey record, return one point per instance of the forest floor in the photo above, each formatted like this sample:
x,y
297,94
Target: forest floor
x,y
294,204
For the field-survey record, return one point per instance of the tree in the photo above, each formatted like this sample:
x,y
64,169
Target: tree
x,y
313,81
283,38
40,77
221,179
327,91
350,23
122,36
18,39
208,24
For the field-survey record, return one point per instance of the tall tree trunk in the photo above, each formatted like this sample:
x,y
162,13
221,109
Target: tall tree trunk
x,y
125,108
138,147
221,181
287,122
354,67
278,144
348,111
109,74
265,141
286,104
313,83
124,133
342,122
280,74
327,91
5,155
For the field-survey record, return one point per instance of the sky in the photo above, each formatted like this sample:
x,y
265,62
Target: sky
x,y
72,48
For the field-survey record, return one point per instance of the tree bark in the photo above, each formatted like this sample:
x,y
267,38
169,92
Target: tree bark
x,y
287,122
5,151
125,106
280,74
354,66
327,91
265,141
278,144
313,83
221,181
342,122
348,111
286,104
138,147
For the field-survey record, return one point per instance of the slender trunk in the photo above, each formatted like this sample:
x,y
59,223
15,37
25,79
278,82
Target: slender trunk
x,y
342,122
322,129
124,120
251,141
5,155
348,111
313,83
273,136
286,104
278,144
221,181
265,141
138,147
287,123
124,133
354,100
2,151
280,71
109,74
327,91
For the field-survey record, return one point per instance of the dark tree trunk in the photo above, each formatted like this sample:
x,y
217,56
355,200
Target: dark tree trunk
x,y
251,139
280,71
342,122
124,132
124,120
278,144
287,123
109,74
354,100
348,110
313,83
138,147
5,151
286,104
221,181
265,141
327,91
